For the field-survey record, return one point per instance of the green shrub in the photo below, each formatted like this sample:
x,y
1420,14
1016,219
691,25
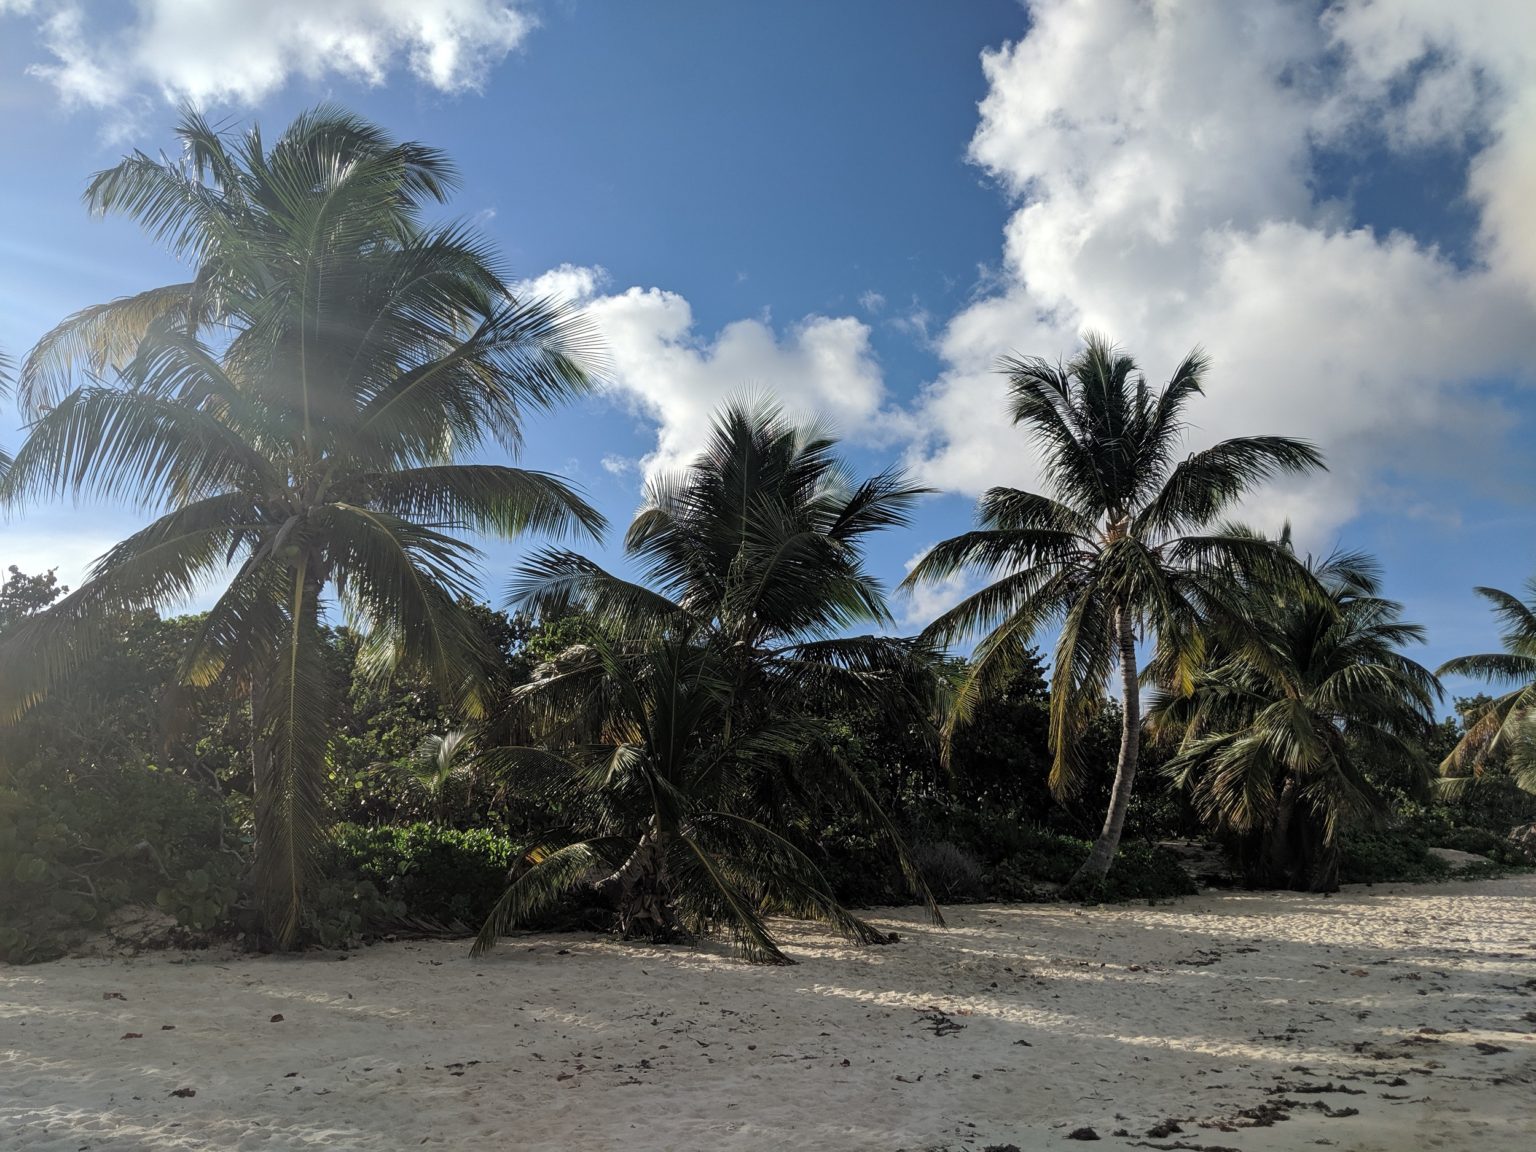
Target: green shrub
x,y
343,911
441,877
1389,856
73,849
1017,861
952,873
203,898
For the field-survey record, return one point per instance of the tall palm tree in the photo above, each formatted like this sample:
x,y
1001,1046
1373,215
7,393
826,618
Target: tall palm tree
x,y
1126,544
1278,722
754,563
1505,725
296,417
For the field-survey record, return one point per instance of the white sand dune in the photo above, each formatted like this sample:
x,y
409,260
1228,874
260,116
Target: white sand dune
x,y
1016,1025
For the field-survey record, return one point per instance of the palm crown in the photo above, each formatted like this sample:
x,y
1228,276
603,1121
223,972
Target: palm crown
x,y
1504,726
1127,543
297,416
759,547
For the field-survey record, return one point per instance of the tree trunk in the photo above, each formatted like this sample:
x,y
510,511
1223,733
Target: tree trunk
x,y
288,718
1280,855
1096,867
641,892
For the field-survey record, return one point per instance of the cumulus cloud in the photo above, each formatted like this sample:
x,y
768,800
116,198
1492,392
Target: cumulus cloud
x,y
236,51
616,465
659,363
1164,158
922,605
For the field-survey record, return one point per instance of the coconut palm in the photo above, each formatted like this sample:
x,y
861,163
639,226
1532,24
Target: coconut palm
x,y
754,566
758,547
1126,544
663,790
1279,722
436,772
1504,727
296,416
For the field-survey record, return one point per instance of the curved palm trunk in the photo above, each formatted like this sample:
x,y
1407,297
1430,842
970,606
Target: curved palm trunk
x,y
1096,867
641,892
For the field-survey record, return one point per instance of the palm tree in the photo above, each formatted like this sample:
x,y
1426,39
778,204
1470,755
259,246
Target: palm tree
x,y
1126,544
664,799
1504,726
437,771
1280,721
754,563
296,416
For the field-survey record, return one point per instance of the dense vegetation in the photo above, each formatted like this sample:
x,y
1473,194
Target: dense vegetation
x,y
347,742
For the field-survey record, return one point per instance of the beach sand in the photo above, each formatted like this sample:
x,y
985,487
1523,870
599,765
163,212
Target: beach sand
x,y
1379,1018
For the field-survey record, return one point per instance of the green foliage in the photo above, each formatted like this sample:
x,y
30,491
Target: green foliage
x,y
986,855
1283,721
690,741
345,911
1391,855
200,899
74,848
441,877
22,595
298,443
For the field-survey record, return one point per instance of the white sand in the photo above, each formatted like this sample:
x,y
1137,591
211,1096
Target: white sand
x,y
1109,1018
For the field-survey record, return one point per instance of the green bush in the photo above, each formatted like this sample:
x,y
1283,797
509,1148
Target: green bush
x,y
343,911
1141,871
1017,861
74,848
202,899
439,877
1389,856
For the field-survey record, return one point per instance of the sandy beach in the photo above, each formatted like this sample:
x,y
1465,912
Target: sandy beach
x,y
1377,1019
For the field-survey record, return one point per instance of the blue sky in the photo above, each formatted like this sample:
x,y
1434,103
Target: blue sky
x,y
860,205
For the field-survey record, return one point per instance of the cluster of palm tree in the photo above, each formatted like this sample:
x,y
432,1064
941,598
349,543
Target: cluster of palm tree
x,y
1276,678
685,736
1284,713
298,418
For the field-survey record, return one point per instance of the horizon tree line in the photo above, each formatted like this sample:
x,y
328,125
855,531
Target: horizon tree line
x,y
295,417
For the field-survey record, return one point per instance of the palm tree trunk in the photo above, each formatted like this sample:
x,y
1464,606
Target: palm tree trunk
x,y
1096,867
1280,863
289,736
641,892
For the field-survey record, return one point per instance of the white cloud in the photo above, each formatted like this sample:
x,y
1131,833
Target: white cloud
x,y
1164,158
662,366
871,301
924,604
616,465
239,51
568,283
